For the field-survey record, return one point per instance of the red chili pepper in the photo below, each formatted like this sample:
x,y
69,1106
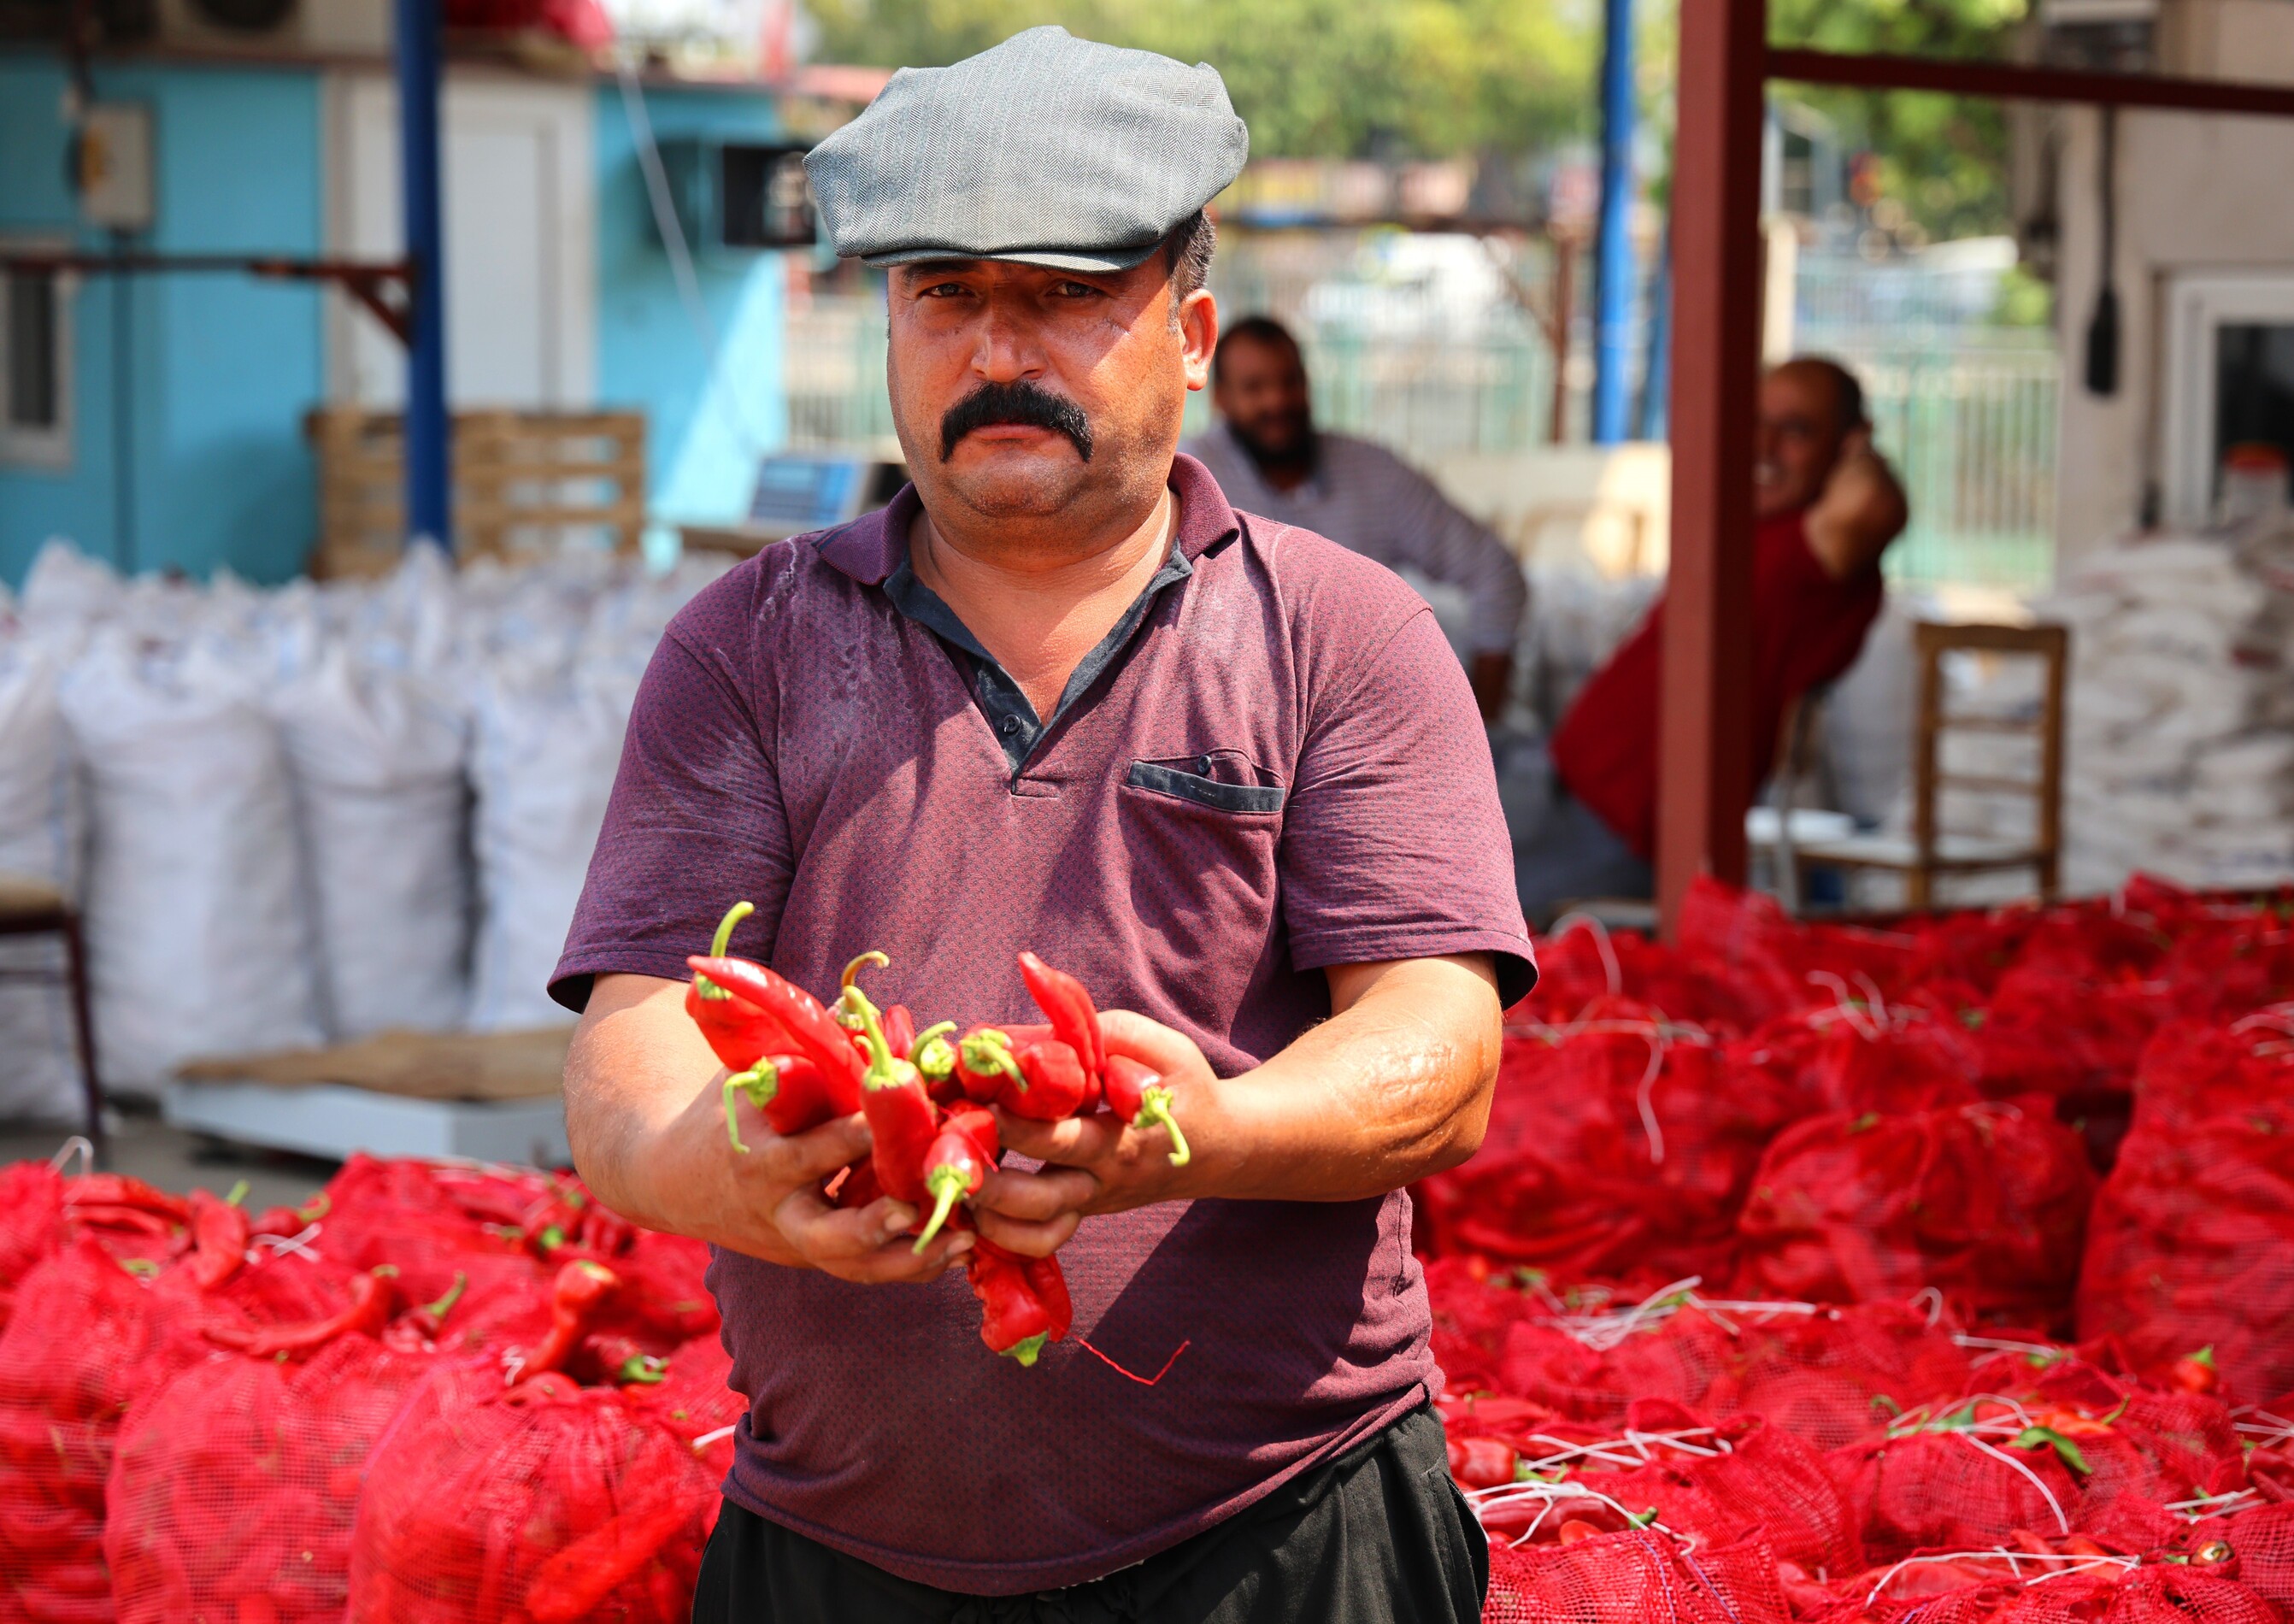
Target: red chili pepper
x,y
791,1093
809,1029
220,1234
371,1295
987,1084
901,1031
417,1328
1482,1463
2195,1372
1042,1081
736,1029
118,1189
619,1361
575,1296
573,1581
1065,1002
901,1117
860,1186
1141,1099
1024,1300
957,1164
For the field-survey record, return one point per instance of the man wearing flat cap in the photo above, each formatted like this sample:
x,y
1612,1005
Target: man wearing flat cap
x,y
1061,696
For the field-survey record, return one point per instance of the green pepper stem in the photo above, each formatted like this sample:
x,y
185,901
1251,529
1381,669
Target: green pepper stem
x,y
1155,1106
436,1311
884,1065
852,970
761,1082
938,1030
238,1193
723,939
647,1368
947,1185
1027,1348
988,1053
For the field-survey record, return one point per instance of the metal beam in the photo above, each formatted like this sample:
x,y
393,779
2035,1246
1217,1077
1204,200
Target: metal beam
x,y
2012,82
380,285
1705,714
1613,262
416,49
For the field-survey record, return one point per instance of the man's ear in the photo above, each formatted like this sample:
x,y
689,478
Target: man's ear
x,y
1199,331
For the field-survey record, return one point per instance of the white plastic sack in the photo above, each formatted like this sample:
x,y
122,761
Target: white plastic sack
x,y
40,833
542,767
195,919
379,797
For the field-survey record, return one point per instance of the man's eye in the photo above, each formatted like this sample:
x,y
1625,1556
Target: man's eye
x,y
1074,291
944,290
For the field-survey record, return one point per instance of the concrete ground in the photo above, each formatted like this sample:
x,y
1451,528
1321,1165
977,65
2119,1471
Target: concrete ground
x,y
175,1160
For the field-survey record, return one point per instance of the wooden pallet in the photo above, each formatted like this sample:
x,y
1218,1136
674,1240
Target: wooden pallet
x,y
526,484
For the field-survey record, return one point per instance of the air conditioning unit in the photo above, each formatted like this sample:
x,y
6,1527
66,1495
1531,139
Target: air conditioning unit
x,y
2106,35
739,197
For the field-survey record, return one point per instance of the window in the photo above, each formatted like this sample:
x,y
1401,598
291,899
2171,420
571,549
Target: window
x,y
2229,378
35,369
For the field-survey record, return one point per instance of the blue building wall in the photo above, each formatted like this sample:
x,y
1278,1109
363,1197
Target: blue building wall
x,y
706,424
219,367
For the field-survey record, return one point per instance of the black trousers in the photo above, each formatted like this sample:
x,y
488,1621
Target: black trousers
x,y
1379,1536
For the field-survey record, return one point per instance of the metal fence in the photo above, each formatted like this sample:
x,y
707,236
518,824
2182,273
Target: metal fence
x,y
1968,419
1964,410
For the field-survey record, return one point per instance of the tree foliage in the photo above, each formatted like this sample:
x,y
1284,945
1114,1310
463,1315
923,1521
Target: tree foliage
x,y
1315,79
1943,157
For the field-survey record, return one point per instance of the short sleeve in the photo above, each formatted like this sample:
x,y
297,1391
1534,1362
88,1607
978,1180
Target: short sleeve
x,y
1394,845
694,825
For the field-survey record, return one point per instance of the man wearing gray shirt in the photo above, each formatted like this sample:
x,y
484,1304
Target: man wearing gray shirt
x,y
1270,459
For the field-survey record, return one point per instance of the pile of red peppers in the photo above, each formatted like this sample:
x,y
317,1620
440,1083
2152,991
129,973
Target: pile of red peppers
x,y
928,1097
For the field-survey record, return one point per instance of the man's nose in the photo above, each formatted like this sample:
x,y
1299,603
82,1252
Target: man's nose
x,y
1005,348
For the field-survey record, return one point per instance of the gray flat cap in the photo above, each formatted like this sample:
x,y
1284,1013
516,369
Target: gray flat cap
x,y
1048,150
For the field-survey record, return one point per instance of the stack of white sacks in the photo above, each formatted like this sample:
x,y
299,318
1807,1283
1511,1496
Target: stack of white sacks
x,y
2179,754
311,813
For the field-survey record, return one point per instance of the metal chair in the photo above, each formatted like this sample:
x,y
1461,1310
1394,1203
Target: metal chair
x,y
1929,853
33,906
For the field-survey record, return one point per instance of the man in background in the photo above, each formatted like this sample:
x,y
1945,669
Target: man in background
x,y
1828,508
1270,459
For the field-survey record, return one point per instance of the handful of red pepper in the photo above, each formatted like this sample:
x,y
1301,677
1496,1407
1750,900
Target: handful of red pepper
x,y
927,1097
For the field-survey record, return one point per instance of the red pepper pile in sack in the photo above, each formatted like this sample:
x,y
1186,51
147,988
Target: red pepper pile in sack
x,y
930,1098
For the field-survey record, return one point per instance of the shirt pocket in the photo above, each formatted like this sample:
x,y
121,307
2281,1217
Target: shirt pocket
x,y
1223,780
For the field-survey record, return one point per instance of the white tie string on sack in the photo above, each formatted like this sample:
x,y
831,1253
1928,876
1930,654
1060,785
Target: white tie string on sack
x,y
78,1145
1601,944
2057,1566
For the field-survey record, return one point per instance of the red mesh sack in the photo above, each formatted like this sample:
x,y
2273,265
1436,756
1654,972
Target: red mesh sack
x,y
1635,1577
1847,1058
2194,1069
694,1400
2095,1596
1953,1489
1985,1203
1615,1148
2226,967
1828,1379
2261,1543
31,1223
2191,1246
398,1212
1584,961
547,1503
1677,1357
235,1483
86,1339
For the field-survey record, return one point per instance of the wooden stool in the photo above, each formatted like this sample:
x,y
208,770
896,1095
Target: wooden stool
x,y
32,906
1929,853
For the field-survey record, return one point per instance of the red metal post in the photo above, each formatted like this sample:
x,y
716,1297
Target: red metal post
x,y
1705,715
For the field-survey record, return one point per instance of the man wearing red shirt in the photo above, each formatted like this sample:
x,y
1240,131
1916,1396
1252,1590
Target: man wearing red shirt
x,y
1828,507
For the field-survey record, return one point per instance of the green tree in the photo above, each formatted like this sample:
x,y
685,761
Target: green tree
x,y
1315,79
1944,158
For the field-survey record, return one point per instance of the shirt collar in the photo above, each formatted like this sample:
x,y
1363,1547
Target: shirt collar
x,y
871,548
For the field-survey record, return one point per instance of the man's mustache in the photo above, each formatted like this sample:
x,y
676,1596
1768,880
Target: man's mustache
x,y
1017,402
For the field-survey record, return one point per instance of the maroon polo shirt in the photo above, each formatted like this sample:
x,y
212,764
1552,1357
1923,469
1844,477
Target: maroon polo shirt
x,y
1273,764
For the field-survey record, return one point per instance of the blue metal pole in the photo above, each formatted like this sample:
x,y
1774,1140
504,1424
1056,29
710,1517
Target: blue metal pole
x,y
1613,269
428,513
1656,363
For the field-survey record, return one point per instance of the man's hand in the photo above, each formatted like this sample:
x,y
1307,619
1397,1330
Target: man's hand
x,y
1394,1085
649,1137
1097,1164
1859,511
